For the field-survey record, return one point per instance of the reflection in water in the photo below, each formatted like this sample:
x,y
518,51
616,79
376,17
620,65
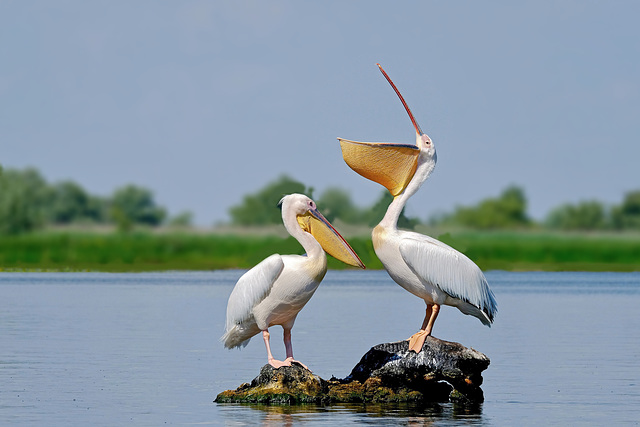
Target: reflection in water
x,y
405,413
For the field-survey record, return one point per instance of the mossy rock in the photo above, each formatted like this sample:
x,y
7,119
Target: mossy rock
x,y
388,373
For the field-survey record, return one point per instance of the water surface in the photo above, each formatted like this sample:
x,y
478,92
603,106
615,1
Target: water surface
x,y
143,349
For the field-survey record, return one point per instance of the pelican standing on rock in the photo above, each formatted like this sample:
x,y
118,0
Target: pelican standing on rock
x,y
421,264
275,290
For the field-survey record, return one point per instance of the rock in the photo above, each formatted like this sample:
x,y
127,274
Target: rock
x,y
442,371
289,384
441,367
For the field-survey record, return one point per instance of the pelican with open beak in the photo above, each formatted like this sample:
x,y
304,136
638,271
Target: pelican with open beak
x,y
420,264
274,291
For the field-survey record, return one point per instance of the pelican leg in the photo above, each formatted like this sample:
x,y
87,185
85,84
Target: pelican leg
x,y
287,342
289,347
417,340
272,361
427,316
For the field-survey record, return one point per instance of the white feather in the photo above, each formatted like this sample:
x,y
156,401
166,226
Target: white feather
x,y
251,289
449,270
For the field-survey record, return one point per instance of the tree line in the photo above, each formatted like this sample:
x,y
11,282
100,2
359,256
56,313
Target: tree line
x,y
506,211
28,202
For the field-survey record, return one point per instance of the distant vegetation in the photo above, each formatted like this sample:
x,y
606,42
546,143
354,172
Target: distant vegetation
x,y
258,208
28,202
507,211
496,233
143,251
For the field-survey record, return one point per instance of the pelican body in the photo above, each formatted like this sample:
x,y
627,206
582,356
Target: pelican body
x,y
422,265
274,291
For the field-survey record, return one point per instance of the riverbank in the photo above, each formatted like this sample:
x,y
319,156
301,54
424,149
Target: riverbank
x,y
189,250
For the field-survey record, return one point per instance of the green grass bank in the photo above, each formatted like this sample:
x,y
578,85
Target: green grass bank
x,y
147,251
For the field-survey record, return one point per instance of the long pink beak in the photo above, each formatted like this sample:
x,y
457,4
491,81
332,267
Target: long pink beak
x,y
406,107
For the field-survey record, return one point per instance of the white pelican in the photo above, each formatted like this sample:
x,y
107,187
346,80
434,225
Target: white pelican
x,y
421,264
275,290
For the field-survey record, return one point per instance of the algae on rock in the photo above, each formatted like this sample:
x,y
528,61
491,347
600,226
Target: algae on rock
x,y
442,371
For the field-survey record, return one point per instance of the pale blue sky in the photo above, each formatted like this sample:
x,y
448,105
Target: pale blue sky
x,y
206,101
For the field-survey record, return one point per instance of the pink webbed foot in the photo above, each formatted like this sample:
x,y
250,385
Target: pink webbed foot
x,y
417,340
279,363
292,360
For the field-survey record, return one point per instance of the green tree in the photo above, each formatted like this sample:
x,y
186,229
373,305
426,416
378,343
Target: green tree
x,y
183,219
259,208
627,215
97,209
336,203
506,211
135,205
71,203
587,215
23,199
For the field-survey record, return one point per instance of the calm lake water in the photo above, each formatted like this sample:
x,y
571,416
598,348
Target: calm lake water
x,y
143,349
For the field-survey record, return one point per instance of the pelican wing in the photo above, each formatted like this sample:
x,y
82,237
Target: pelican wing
x,y
449,270
252,288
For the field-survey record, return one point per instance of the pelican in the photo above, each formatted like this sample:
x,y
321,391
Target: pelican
x,y
422,265
274,291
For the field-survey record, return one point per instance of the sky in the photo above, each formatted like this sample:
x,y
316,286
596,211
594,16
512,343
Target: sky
x,y
204,102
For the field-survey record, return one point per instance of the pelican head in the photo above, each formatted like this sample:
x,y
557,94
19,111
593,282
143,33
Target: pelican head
x,y
310,220
390,164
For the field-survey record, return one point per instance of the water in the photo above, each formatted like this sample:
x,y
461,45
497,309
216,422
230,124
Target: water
x,y
143,349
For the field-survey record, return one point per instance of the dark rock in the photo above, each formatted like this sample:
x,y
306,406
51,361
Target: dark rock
x,y
289,384
441,367
442,371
